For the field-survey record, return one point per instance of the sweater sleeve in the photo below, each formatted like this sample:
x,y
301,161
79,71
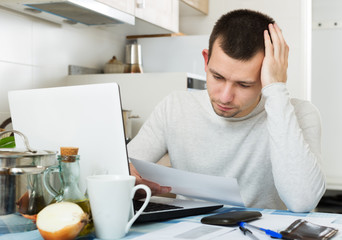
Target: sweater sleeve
x,y
295,145
150,144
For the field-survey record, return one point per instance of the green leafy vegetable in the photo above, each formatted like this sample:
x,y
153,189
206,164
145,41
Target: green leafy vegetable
x,y
7,142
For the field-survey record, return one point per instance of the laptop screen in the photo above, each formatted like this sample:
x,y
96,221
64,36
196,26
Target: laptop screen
x,y
86,116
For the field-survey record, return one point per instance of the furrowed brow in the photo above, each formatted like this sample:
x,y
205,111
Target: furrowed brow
x,y
215,73
238,81
247,82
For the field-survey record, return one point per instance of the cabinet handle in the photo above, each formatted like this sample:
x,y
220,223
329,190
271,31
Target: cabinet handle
x,y
140,3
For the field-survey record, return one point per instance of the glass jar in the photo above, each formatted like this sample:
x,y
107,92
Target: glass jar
x,y
69,174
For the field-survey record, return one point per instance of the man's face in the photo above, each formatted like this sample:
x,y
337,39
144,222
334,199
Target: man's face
x,y
234,86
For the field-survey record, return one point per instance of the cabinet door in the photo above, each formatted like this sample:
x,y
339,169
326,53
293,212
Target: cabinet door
x,y
126,6
163,13
199,5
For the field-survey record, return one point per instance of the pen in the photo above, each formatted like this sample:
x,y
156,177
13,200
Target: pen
x,y
267,231
248,233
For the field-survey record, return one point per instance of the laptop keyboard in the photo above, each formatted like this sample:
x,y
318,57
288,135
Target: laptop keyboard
x,y
153,207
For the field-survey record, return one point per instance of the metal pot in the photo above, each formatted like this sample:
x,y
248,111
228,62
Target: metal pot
x,y
21,178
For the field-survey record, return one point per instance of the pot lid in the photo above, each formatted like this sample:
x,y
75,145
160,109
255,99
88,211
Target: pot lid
x,y
17,152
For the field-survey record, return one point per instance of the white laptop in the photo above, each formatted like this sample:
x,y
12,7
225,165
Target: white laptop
x,y
88,117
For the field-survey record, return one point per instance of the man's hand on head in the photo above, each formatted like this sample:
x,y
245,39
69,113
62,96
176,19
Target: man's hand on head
x,y
274,66
156,189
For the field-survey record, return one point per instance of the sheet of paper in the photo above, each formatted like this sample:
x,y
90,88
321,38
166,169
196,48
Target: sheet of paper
x,y
189,231
198,231
223,190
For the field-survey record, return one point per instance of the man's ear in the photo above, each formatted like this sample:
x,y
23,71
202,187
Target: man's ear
x,y
205,54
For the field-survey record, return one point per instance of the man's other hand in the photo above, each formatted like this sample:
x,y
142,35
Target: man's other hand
x,y
156,189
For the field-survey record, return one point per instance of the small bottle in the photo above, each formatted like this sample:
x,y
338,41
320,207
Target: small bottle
x,y
69,173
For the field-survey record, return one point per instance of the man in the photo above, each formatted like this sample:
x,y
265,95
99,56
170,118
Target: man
x,y
245,125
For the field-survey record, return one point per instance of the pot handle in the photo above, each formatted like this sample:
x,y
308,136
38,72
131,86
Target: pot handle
x,y
24,169
27,145
46,180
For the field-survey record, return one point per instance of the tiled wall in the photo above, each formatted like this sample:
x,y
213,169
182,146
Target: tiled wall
x,y
35,53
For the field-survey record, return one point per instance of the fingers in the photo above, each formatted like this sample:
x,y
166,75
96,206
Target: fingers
x,y
280,48
134,171
275,63
275,40
156,189
284,49
268,44
279,34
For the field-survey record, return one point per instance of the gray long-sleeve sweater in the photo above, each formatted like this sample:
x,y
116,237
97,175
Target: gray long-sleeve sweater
x,y
274,151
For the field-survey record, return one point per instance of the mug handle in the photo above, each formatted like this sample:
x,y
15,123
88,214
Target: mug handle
x,y
147,199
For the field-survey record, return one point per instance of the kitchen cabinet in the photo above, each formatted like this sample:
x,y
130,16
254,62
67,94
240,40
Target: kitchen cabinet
x,y
126,6
198,5
164,14
161,13
76,12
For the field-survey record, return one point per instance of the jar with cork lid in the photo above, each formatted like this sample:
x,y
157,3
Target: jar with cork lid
x,y
69,174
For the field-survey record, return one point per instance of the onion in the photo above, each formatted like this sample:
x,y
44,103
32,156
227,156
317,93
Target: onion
x,y
62,221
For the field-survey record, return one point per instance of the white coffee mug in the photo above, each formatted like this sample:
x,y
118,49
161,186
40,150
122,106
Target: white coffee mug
x,y
110,199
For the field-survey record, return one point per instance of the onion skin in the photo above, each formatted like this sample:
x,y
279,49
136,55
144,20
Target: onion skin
x,y
32,217
67,233
61,221
23,205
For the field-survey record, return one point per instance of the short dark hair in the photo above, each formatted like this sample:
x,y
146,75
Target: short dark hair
x,y
240,33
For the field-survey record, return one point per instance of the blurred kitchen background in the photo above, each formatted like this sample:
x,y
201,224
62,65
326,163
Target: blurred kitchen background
x,y
35,53
39,53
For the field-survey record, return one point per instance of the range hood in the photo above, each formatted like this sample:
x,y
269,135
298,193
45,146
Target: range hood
x,y
88,12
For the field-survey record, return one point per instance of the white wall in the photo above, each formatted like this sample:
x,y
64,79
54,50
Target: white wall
x,y
292,17
35,53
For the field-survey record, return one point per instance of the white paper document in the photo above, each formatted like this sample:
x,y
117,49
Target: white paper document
x,y
223,190
189,231
198,231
